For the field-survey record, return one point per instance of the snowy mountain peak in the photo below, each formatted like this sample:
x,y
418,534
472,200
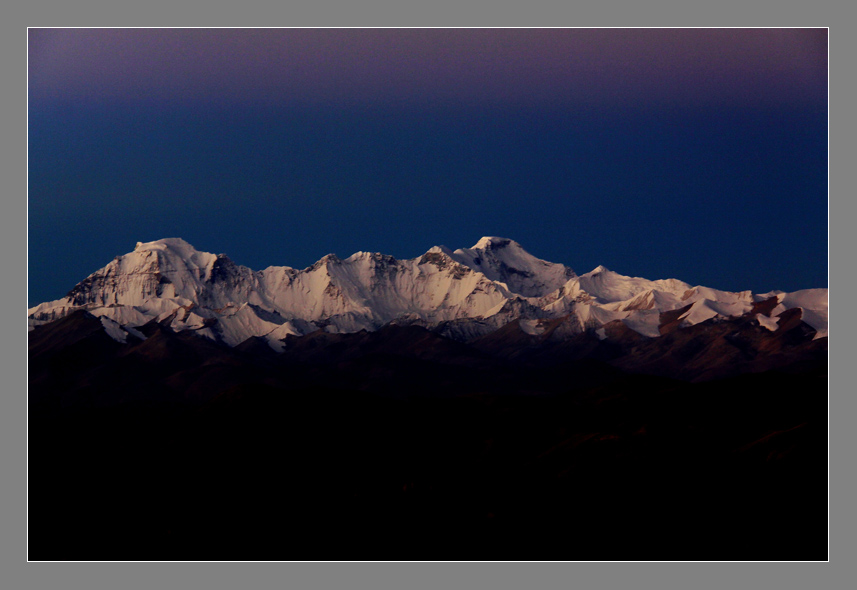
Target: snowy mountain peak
x,y
598,269
176,245
489,242
505,261
170,255
464,293
440,250
323,262
611,287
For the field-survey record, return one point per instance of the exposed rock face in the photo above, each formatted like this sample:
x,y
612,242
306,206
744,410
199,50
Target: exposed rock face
x,y
463,294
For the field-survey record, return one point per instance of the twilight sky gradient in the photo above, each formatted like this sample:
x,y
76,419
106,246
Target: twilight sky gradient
x,y
699,154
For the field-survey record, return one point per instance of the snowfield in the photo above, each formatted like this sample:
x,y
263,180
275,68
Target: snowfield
x,y
466,293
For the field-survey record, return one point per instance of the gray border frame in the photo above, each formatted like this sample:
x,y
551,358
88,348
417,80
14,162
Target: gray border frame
x,y
21,574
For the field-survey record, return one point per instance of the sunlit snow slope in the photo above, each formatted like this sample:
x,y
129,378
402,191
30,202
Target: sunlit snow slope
x,y
464,294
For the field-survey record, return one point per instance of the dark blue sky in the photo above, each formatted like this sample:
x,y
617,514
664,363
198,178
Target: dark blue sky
x,y
696,154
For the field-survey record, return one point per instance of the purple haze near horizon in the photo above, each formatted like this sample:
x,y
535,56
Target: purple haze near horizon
x,y
693,153
477,67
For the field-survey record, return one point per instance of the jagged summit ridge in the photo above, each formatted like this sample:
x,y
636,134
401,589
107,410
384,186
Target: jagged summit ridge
x,y
464,293
505,261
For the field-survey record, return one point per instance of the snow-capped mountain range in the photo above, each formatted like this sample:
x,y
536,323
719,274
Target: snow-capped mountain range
x,y
462,294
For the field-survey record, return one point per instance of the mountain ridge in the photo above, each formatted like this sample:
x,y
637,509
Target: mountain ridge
x,y
466,293
181,410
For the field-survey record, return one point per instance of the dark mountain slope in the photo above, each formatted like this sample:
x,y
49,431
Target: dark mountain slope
x,y
642,468
401,444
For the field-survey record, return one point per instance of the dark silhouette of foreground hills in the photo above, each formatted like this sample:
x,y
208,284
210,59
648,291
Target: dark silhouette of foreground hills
x,y
708,443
